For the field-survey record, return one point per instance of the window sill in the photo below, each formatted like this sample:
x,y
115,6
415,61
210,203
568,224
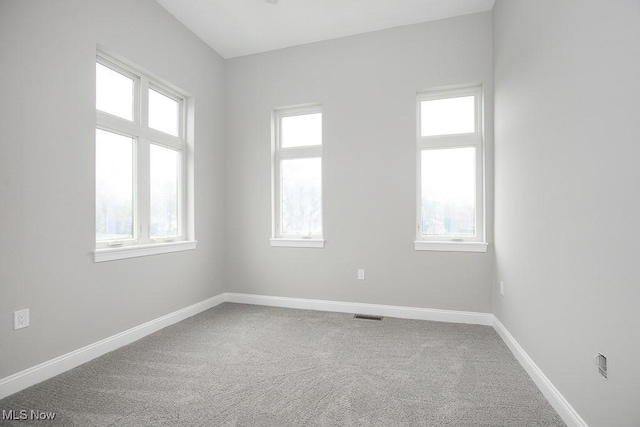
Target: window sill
x,y
425,245
298,243
112,254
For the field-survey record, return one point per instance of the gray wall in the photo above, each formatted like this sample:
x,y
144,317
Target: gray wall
x,y
566,171
567,205
367,85
47,121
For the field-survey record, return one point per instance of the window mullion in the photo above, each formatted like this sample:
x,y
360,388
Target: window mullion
x,y
143,100
182,195
480,194
114,124
449,141
143,198
299,153
161,138
279,197
143,163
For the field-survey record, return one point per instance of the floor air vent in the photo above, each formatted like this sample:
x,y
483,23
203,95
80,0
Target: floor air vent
x,y
366,317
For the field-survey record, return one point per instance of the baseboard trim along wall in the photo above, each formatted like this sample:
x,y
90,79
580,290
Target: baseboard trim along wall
x,y
553,395
416,313
31,376
555,398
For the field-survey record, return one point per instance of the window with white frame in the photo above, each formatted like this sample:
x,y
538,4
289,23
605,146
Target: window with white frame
x,y
140,164
450,181
297,177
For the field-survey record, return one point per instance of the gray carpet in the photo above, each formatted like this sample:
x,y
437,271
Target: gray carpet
x,y
243,365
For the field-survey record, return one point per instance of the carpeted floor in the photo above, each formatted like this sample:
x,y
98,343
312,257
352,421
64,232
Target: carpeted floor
x,y
243,365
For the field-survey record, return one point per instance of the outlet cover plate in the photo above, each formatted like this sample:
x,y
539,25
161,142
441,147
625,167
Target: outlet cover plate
x,y
361,274
20,319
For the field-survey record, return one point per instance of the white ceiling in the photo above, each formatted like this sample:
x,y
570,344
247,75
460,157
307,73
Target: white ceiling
x,y
243,27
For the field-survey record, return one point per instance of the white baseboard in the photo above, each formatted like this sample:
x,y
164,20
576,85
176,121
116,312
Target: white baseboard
x,y
553,395
360,308
51,368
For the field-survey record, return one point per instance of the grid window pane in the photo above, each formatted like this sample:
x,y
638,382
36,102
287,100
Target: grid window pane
x,y
447,116
301,191
301,130
448,186
164,113
114,92
114,186
164,191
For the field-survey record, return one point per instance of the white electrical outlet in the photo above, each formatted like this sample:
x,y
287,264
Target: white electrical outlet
x,y
601,363
502,288
21,319
361,274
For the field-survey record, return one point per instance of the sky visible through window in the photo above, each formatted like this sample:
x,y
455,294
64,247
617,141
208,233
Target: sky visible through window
x,y
163,113
447,116
114,92
301,131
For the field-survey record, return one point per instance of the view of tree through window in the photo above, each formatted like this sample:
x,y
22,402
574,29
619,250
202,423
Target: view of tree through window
x,y
164,192
114,186
448,192
301,196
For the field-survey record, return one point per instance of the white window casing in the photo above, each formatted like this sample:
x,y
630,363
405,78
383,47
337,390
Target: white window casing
x,y
445,139
142,243
281,237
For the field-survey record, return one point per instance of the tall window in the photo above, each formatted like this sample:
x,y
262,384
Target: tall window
x,y
141,150
297,177
450,209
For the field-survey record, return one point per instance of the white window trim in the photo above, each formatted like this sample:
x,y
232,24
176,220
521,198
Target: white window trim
x,y
111,254
279,153
424,245
452,243
297,243
142,244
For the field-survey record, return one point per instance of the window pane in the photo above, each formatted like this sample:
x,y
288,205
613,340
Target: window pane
x,y
114,92
114,186
164,191
447,116
449,192
301,196
164,113
301,131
